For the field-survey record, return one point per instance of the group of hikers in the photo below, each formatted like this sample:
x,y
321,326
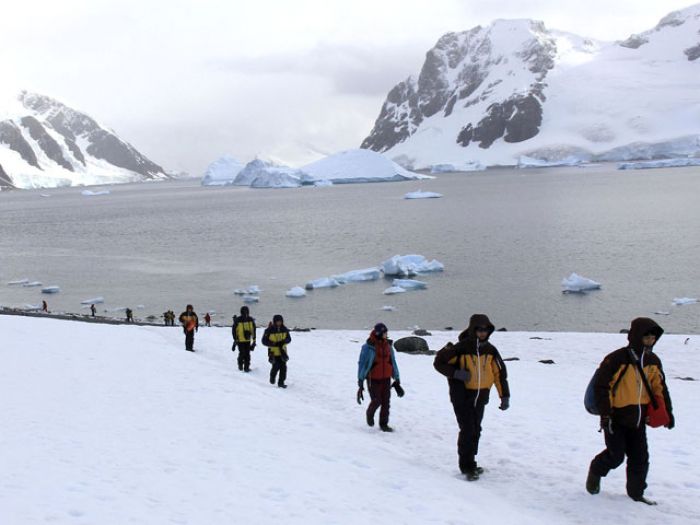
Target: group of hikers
x,y
629,387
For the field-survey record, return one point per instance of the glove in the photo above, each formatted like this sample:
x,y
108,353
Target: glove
x,y
360,383
461,374
270,359
671,423
505,403
233,347
285,357
360,396
252,347
399,389
606,424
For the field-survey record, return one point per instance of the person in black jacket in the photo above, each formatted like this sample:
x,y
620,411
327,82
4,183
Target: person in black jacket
x,y
472,366
190,324
243,331
623,409
276,338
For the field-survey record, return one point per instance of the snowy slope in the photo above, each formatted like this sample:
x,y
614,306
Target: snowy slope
x,y
44,143
118,424
514,88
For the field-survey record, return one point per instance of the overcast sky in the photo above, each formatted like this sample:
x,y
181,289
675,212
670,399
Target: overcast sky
x,y
186,81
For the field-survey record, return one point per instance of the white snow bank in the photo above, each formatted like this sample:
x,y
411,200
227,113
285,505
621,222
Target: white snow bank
x,y
222,172
262,174
393,290
296,292
356,276
91,193
409,265
667,163
449,168
323,282
422,195
94,300
51,289
32,284
577,284
357,166
88,437
409,284
680,301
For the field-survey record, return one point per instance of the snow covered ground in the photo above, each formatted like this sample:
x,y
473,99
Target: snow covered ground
x,y
118,424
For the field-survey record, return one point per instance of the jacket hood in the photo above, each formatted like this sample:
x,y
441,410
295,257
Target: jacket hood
x,y
641,326
277,317
474,321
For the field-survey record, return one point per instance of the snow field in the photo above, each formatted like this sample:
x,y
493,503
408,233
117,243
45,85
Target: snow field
x,y
118,424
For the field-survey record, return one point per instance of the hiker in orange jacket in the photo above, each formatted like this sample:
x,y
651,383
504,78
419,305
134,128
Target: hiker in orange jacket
x,y
190,324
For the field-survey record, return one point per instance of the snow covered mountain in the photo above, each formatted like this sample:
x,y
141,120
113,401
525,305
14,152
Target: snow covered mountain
x,y
44,143
516,89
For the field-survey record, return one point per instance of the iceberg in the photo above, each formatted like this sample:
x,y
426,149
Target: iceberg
x,y
32,307
449,168
222,172
18,281
51,289
409,284
574,283
356,276
296,292
324,282
90,193
680,301
409,265
94,300
394,290
359,166
664,163
261,174
253,289
422,195
388,308
32,284
250,299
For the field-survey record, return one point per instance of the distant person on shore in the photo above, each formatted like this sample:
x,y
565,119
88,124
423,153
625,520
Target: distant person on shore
x,y
93,310
243,331
207,319
472,366
44,307
166,318
129,316
276,338
377,365
171,317
190,324
637,374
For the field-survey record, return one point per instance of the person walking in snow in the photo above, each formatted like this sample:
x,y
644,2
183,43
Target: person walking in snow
x,y
243,331
93,310
207,319
636,373
129,316
472,366
44,306
276,338
190,324
377,365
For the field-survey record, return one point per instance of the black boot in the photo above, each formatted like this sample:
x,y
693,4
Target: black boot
x,y
592,482
385,428
642,499
370,419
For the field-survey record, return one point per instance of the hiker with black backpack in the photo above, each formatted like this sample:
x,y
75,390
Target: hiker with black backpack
x,y
472,366
629,391
243,337
276,338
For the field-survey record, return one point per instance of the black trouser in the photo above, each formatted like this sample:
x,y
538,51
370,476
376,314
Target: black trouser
x,y
630,442
469,411
189,339
278,365
380,395
243,356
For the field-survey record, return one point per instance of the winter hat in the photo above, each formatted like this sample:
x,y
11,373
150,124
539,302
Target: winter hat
x,y
379,330
277,317
244,311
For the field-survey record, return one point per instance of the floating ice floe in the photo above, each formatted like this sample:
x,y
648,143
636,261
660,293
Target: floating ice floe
x,y
680,301
574,283
358,166
250,299
296,292
45,195
263,174
51,289
90,193
465,166
393,290
422,195
409,284
665,163
323,183
388,308
324,282
222,172
32,284
18,282
356,276
253,289
409,265
32,307
662,312
94,300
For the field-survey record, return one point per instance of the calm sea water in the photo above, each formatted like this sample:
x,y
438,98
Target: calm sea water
x,y
506,237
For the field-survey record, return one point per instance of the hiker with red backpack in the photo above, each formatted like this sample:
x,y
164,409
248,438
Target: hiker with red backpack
x,y
629,389
377,365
